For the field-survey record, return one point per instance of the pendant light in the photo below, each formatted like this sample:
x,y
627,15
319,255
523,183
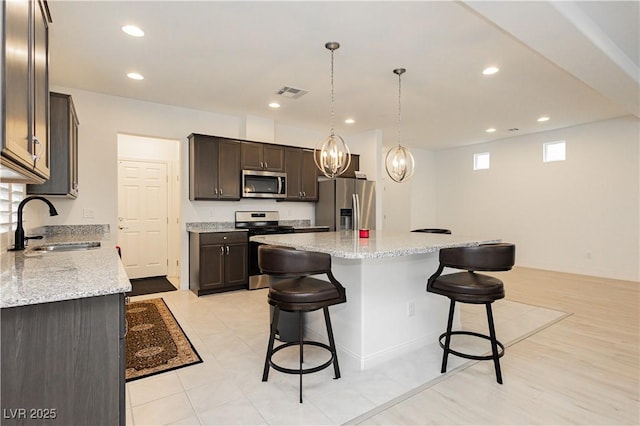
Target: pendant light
x,y
332,155
399,161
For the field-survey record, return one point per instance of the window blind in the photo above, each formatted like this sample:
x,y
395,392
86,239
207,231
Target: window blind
x,y
11,194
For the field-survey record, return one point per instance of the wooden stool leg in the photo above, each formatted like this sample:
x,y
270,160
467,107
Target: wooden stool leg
x,y
494,345
332,343
447,340
272,336
301,342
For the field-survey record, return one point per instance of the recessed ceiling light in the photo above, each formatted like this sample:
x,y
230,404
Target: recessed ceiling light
x,y
490,70
490,130
274,105
349,121
132,30
135,76
543,119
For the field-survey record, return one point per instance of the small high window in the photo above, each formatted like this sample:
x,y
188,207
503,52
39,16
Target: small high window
x,y
553,151
481,161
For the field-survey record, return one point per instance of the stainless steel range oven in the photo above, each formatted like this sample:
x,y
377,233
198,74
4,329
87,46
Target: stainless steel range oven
x,y
259,223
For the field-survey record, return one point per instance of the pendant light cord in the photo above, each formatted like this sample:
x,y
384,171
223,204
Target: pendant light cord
x,y
399,105
332,97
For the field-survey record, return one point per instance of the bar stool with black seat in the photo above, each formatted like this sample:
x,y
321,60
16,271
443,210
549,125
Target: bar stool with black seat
x,y
471,287
295,290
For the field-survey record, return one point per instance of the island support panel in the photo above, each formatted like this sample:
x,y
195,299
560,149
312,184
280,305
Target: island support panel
x,y
375,324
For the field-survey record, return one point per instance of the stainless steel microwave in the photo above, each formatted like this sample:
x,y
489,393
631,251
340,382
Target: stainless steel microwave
x,y
259,184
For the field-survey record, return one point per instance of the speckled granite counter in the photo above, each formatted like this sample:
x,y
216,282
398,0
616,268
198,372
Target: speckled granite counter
x,y
30,277
380,244
388,312
204,227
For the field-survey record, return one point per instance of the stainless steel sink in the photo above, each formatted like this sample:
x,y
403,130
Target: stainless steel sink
x,y
68,246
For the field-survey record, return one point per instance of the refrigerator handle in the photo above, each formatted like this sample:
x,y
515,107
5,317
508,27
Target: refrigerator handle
x,y
356,212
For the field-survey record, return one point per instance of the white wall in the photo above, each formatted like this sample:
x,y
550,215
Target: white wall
x,y
580,215
412,204
423,195
396,200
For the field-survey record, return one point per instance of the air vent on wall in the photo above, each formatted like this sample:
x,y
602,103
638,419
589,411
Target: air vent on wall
x,y
291,92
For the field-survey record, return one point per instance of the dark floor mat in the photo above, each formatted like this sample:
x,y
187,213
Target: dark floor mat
x,y
150,285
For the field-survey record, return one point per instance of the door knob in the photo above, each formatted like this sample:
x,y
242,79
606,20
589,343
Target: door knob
x,y
122,228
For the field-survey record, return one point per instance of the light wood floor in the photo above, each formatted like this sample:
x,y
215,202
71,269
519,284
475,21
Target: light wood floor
x,y
582,370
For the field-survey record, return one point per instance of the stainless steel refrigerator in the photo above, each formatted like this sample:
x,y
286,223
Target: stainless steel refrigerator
x,y
346,204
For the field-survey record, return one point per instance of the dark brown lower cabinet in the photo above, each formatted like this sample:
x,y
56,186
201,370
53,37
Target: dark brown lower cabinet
x,y
63,363
218,261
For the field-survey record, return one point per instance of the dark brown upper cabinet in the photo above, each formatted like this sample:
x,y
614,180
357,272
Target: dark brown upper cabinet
x,y
24,91
214,168
262,156
63,139
302,175
354,166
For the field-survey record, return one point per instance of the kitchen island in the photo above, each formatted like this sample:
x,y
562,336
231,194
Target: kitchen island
x,y
388,312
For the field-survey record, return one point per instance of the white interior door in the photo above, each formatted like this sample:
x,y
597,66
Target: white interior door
x,y
142,217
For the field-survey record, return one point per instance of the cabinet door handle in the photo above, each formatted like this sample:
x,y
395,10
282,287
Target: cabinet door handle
x,y
35,156
222,249
220,191
227,250
215,191
304,194
266,165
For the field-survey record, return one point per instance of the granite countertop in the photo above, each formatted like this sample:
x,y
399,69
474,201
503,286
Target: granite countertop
x,y
207,227
30,277
348,245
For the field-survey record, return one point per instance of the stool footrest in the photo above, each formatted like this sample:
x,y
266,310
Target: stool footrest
x,y
470,356
304,370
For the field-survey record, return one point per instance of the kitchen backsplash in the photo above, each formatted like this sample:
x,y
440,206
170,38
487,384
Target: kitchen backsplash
x,y
296,223
59,230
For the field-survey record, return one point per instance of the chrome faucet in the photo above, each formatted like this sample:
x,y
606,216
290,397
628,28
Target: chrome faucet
x,y
19,237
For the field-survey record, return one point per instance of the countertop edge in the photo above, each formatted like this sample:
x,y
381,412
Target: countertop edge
x,y
362,249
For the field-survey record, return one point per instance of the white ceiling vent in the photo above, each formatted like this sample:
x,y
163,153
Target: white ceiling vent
x,y
291,92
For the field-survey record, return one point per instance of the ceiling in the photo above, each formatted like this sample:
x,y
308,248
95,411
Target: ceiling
x,y
574,62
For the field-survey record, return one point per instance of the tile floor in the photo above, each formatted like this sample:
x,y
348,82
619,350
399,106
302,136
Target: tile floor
x,y
230,332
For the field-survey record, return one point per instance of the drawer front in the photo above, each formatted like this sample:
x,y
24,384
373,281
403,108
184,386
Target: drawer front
x,y
223,237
